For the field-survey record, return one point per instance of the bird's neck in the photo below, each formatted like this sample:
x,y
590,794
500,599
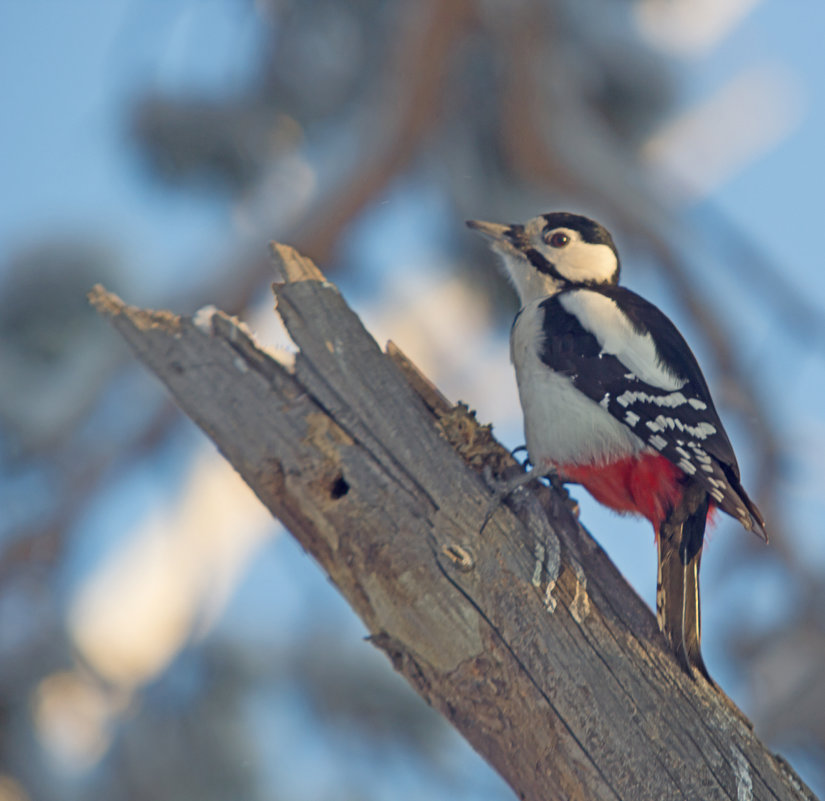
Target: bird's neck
x,y
529,283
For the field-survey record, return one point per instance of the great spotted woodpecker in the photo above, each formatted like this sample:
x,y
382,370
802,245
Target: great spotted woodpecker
x,y
614,400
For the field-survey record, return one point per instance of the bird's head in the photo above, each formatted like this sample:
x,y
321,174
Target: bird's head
x,y
553,251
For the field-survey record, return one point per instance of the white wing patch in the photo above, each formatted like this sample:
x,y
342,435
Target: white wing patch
x,y
631,418
662,423
687,466
601,316
671,400
657,442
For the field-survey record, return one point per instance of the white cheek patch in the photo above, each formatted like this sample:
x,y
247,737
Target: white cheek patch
x,y
581,261
601,316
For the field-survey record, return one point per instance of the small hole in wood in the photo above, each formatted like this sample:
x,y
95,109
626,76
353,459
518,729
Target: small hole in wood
x,y
339,488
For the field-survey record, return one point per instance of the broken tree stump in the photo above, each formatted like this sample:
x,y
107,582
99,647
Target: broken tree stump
x,y
524,636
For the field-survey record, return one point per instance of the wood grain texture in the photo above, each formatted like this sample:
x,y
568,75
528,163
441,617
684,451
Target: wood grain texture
x,y
524,636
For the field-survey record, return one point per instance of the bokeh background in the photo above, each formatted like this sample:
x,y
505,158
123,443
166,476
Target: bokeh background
x,y
160,637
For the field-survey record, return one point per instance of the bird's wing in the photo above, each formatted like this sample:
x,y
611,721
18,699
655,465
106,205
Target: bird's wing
x,y
624,354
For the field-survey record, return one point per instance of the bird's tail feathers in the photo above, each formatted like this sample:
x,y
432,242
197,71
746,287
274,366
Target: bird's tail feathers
x,y
677,591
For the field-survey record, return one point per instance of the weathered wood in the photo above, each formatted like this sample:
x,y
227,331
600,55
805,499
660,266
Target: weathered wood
x,y
524,636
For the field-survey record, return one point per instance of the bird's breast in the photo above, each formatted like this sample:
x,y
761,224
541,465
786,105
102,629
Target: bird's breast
x,y
561,424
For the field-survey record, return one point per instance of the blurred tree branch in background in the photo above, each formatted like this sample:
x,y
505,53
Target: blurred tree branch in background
x,y
523,636
485,96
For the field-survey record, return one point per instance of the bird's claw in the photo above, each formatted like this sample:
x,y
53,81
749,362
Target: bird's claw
x,y
503,488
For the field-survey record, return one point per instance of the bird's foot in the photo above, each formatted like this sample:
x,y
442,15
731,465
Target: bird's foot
x,y
503,488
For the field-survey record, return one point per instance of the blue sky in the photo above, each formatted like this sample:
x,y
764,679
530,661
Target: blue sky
x,y
71,71
70,74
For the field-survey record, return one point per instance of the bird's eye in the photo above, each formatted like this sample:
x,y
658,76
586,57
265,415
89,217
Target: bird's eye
x,y
558,240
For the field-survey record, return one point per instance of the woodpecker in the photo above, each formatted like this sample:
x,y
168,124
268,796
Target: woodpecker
x,y
614,399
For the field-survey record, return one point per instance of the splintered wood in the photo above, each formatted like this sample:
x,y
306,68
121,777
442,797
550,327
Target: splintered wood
x,y
525,637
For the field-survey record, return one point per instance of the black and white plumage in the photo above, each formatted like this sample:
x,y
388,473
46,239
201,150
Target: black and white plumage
x,y
621,352
614,398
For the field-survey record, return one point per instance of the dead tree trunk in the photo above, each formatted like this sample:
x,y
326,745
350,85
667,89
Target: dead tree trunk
x,y
524,636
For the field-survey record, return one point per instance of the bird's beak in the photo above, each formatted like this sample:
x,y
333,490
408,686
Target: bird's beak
x,y
495,231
